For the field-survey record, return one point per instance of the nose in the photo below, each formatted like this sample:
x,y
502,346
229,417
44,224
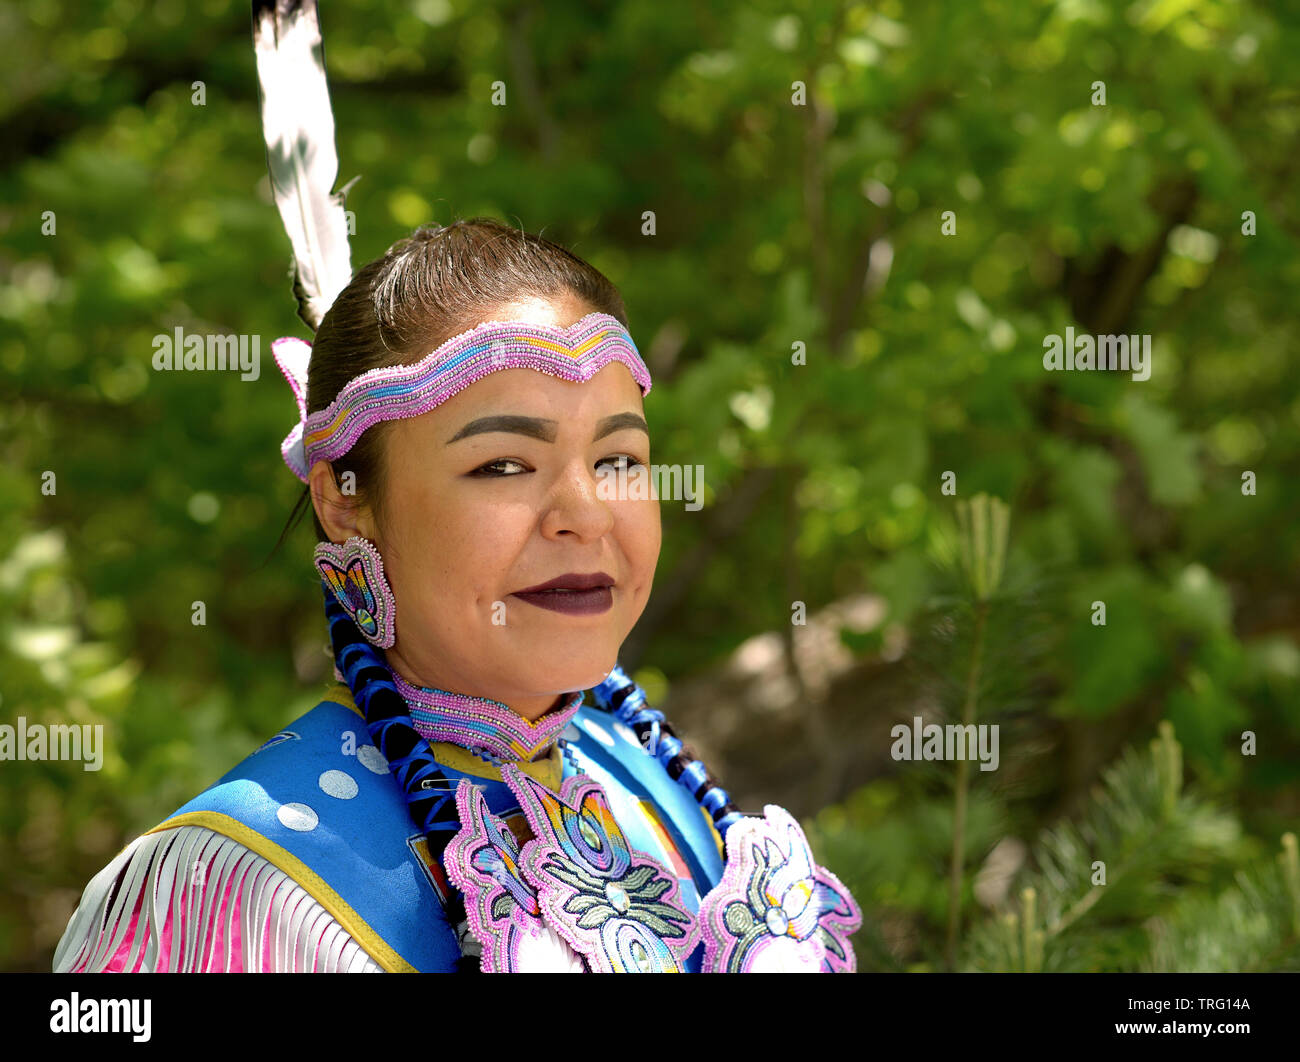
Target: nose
x,y
574,508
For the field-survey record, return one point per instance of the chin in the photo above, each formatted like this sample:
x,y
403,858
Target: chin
x,y
567,674
560,660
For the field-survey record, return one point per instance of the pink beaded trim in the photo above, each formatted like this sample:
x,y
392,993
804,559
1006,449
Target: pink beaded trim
x,y
618,908
355,573
482,860
482,723
575,353
775,909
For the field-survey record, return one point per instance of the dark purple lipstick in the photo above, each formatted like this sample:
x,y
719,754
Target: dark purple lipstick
x,y
573,594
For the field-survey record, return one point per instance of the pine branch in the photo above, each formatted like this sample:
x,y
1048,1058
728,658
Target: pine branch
x,y
1154,840
983,543
1250,927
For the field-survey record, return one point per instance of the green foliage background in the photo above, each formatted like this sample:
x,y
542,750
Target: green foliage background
x,y
776,224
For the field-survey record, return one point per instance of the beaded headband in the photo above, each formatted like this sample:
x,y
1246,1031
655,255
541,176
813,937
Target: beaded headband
x,y
575,353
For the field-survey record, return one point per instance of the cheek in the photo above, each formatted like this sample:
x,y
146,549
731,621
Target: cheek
x,y
425,536
469,549
639,535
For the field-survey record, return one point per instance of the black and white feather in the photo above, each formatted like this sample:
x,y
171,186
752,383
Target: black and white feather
x,y
299,129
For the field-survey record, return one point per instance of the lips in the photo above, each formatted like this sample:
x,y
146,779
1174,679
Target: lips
x,y
573,593
572,581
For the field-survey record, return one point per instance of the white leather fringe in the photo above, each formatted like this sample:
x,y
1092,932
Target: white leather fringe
x,y
175,882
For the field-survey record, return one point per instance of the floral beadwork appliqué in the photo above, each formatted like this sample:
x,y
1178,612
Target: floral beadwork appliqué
x,y
775,909
504,916
616,907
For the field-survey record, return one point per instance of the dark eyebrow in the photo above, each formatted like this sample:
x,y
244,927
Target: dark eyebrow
x,y
539,428
619,422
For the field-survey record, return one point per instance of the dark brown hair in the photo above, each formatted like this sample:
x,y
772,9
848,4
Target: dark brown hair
x,y
428,287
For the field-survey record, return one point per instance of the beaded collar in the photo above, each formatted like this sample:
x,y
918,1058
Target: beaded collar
x,y
482,724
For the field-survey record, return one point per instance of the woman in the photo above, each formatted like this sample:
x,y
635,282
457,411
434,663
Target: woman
x,y
467,426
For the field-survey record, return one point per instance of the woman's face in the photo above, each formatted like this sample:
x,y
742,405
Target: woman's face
x,y
479,507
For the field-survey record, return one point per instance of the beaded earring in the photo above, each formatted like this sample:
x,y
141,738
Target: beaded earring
x,y
355,574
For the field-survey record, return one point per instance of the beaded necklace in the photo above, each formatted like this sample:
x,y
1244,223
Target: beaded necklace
x,y
430,794
482,725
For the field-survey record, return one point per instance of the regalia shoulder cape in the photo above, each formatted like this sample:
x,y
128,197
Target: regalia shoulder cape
x,y
318,803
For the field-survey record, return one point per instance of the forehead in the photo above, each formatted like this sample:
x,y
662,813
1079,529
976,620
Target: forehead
x,y
527,393
531,392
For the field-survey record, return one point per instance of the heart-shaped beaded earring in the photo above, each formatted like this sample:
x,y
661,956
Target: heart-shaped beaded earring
x,y
354,571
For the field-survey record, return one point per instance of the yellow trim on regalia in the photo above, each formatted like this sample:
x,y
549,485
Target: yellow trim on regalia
x,y
379,949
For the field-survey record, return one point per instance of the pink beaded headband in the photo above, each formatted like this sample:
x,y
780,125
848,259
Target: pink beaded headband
x,y
575,353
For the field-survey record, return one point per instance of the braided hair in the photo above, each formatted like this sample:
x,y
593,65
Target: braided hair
x,y
620,695
430,794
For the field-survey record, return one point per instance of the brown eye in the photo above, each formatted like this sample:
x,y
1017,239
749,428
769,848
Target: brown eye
x,y
490,469
628,461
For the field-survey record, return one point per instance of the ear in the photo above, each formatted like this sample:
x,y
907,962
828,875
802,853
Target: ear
x,y
341,516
